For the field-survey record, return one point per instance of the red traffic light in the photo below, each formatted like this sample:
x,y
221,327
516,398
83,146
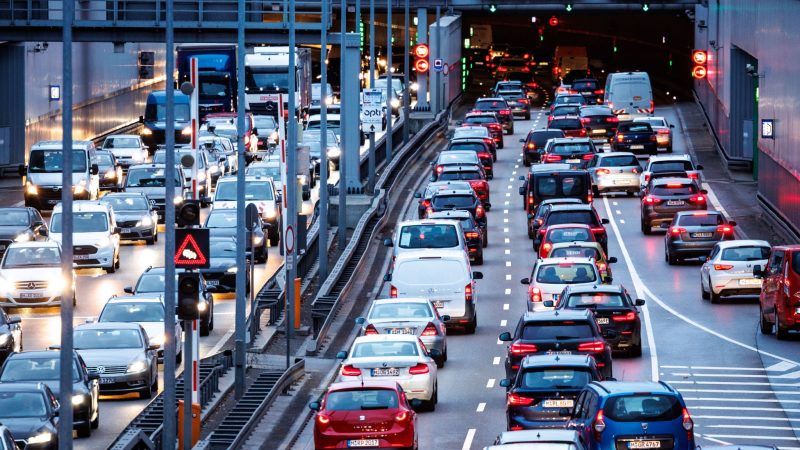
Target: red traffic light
x,y
421,51
554,21
700,57
421,65
699,72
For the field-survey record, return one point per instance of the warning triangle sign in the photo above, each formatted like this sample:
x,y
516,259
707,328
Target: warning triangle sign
x,y
193,248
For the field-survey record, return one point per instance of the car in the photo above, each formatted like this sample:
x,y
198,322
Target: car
x,y
536,219
483,148
567,109
7,441
518,102
30,275
43,367
543,386
411,235
455,158
557,333
668,196
95,234
30,412
728,270
258,191
267,169
151,281
424,197
589,88
221,149
223,223
122,354
221,275
128,149
228,130
265,129
600,122
499,106
506,85
488,120
575,214
577,152
463,199
565,98
225,123
537,439
472,232
614,309
614,172
534,143
662,128
554,181
313,138
571,125
384,412
43,173
693,234
471,132
403,358
318,93
21,224
456,143
561,233
610,414
670,163
472,173
109,170
149,179
779,302
635,137
10,335
550,276
655,176
136,217
629,94
148,311
408,316
198,175
585,249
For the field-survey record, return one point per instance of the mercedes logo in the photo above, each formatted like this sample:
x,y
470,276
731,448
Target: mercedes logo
x,y
31,285
101,369
558,345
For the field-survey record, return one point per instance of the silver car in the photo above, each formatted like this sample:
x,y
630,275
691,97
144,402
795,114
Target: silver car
x,y
729,269
414,316
615,172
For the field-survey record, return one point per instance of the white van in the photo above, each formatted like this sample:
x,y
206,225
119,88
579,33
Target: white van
x,y
95,235
629,94
43,173
412,235
442,276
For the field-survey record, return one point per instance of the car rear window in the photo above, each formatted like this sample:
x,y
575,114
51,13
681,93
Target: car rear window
x,y
643,408
458,157
569,235
671,166
564,329
559,217
675,189
555,378
635,127
400,310
796,263
362,399
476,146
384,349
700,220
429,271
511,95
462,175
570,148
753,253
565,124
619,161
490,105
480,120
566,110
541,138
595,300
428,236
571,186
562,99
575,252
584,85
453,201
566,273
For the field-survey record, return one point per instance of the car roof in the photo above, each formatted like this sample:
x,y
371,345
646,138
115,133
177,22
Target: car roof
x,y
623,387
362,384
432,253
85,206
700,212
742,243
124,194
557,315
678,157
610,154
385,338
531,361
565,259
428,221
490,99
570,140
546,130
586,244
564,105
390,301
114,136
454,192
458,213
561,201
557,167
141,298
460,167
469,138
37,354
109,326
604,288
663,181
572,207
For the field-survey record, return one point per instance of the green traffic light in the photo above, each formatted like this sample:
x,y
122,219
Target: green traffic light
x,y
645,7
615,49
569,7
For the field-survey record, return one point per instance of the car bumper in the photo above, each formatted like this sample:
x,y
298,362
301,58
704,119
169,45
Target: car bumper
x,y
629,183
437,342
636,148
103,257
137,233
689,248
461,320
517,421
734,284
656,218
47,200
14,298
393,438
122,384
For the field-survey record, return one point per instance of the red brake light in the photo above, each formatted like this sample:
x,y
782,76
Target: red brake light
x,y
647,178
524,101
393,292
652,137
350,371
723,266
439,168
518,400
688,424
698,198
676,230
545,249
502,69
603,171
552,157
536,294
530,202
588,156
601,267
419,369
650,200
599,425
620,137
519,348
692,175
593,347
426,203
505,112
468,292
725,229
489,140
323,419
674,185
471,235
370,330
631,316
662,131
599,91
402,416
479,212
612,119
652,106
430,330
531,146
572,91
484,155
585,120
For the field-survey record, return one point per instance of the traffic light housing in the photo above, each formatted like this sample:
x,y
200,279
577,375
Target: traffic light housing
x,y
188,296
421,54
146,63
188,214
700,60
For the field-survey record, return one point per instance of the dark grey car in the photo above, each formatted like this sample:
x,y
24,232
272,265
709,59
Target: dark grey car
x,y
694,233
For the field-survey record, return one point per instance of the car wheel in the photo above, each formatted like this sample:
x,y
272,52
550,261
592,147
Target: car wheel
x,y
96,421
715,298
781,332
205,329
635,351
470,328
526,161
445,354
113,267
764,325
486,238
703,292
595,191
528,116
671,260
500,145
646,227
439,362
146,392
85,431
150,241
669,149
479,259
430,405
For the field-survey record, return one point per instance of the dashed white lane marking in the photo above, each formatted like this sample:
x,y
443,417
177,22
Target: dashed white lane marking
x,y
519,159
496,361
505,230
505,220
621,220
503,322
511,179
506,306
481,407
510,186
619,212
508,291
508,277
614,203
508,251
508,194
18,204
516,166
490,383
508,263
508,241
468,440
513,173
505,211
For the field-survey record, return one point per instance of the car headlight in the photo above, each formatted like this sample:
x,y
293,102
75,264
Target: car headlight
x,y
3,339
41,438
145,222
80,188
178,199
24,237
201,176
5,285
110,174
202,305
214,169
138,156
257,240
395,103
147,131
187,131
56,284
31,189
328,100
137,366
334,152
158,339
78,399
233,269
274,136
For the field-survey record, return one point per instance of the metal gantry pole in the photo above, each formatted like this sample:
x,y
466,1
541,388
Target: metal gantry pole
x,y
241,248
188,348
438,100
290,188
406,70
371,163
170,347
341,221
323,148
389,80
66,363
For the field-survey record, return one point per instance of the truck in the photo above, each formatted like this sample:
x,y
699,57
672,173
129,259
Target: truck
x,y
266,77
216,67
481,36
567,59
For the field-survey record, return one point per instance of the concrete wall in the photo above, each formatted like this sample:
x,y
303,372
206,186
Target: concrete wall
x,y
766,30
451,44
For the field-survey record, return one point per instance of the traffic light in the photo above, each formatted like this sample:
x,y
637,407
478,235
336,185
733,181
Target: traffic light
x,y
188,295
421,53
700,60
553,21
188,214
147,62
568,7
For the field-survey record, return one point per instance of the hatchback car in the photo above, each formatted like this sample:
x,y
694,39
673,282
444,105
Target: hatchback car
x,y
590,88
576,152
565,232
632,414
550,276
128,149
463,200
499,106
670,163
220,276
30,412
136,217
585,249
568,109
484,150
575,214
635,137
473,236
518,102
222,223
729,269
779,302
258,191
472,173
110,172
694,233
536,219
667,197
488,120
615,172
571,125
533,144
471,132
456,158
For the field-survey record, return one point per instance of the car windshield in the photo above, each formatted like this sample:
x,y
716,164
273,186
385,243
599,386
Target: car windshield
x,y
227,132
31,256
480,119
401,310
566,110
555,378
670,166
564,99
158,112
643,408
573,147
104,159
566,273
453,201
428,236
266,80
265,122
362,399
222,249
333,124
563,217
253,190
314,135
122,142
316,90
595,300
569,235
635,127
750,253
35,369
150,177
575,252
431,188
584,85
384,349
462,175
107,339
429,271
558,330
476,146
14,218
126,203
618,161
22,404
273,172
675,189
700,220
511,95
566,124
82,222
133,312
221,219
151,282
50,161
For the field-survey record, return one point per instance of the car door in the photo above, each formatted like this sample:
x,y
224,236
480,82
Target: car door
x,y
580,415
773,284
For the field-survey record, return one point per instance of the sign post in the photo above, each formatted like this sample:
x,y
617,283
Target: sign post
x,y
372,110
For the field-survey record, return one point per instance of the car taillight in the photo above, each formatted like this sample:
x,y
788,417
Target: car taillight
x,y
402,416
599,91
489,140
688,423
602,171
697,199
539,221
393,292
501,69
439,168
572,91
370,330
531,146
620,137
582,132
647,178
536,294
599,425
596,230
723,266
350,371
593,347
468,292
524,101
631,316
652,107
545,249
479,212
471,235
725,229
552,158
426,203
650,200
505,112
323,419
612,120
518,400
430,330
652,137
487,58
692,175
519,348
496,126
588,156
530,201
484,155
662,131
586,120
634,170
677,230
419,369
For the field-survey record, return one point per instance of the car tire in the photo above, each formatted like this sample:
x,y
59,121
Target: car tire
x,y
179,358
780,332
703,292
430,405
439,362
486,238
715,298
444,356
500,145
528,116
669,149
150,241
526,162
595,191
470,328
479,259
764,325
647,228
671,260
146,392
85,431
205,328
113,267
635,351
96,421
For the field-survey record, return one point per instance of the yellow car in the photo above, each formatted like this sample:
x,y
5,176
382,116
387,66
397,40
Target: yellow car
x,y
584,250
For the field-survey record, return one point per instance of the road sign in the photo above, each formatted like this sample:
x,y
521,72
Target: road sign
x,y
438,64
288,240
193,248
372,109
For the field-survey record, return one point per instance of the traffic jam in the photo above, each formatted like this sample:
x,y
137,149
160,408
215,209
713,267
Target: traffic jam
x,y
576,334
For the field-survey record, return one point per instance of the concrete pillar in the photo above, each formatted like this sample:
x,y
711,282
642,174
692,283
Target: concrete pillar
x,y
351,109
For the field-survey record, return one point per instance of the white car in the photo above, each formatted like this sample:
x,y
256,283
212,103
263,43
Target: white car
x,y
413,235
729,269
148,311
670,163
95,235
128,149
471,132
267,169
614,172
30,275
400,358
551,275
662,128
258,191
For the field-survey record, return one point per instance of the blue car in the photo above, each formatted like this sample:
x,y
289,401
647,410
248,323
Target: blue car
x,y
616,415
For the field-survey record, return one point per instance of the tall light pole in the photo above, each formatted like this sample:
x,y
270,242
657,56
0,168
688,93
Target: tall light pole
x,y
406,70
371,175
289,240
389,80
342,213
322,236
241,235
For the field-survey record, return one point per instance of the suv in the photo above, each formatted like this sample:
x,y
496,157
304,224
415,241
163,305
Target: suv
x,y
149,180
95,235
533,144
258,191
666,197
472,173
463,199
517,101
411,235
499,106
576,152
424,197
694,234
128,149
600,122
200,162
550,181
575,214
571,125
488,120
779,303
473,237
485,151
589,88
613,414
670,163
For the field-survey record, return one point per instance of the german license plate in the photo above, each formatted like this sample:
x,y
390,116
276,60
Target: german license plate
x,y
675,203
637,147
387,372
702,235
438,303
598,130
749,282
559,352
644,444
357,443
106,380
83,256
52,202
602,320
212,282
559,403
126,230
401,331
35,294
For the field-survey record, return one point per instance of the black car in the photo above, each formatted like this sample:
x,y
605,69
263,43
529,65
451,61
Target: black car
x,y
110,172
30,412
151,281
563,332
453,158
613,309
44,367
135,215
589,88
221,276
10,334
499,106
518,102
482,148
543,386
424,202
472,173
463,199
635,137
473,235
20,224
222,223
599,122
536,219
546,181
533,145
577,214
666,197
490,145
577,152
695,233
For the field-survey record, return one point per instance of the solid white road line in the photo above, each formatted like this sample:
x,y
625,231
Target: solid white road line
x,y
738,436
734,383
468,440
715,375
751,427
753,400
745,408
747,418
741,391
753,369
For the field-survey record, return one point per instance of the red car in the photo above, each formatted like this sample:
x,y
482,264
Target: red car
x,y
364,414
779,303
567,232
488,120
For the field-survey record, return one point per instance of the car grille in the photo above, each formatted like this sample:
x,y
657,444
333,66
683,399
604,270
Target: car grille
x,y
22,285
84,250
127,223
108,370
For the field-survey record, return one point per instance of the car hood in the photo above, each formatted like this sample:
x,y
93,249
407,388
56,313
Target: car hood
x,y
155,192
11,232
31,273
83,238
131,215
262,205
128,152
54,178
110,356
221,263
25,427
77,387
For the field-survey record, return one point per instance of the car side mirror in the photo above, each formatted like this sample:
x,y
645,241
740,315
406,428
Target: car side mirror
x,y
95,169
505,382
14,319
671,126
758,272
477,275
435,353
522,178
639,302
604,221
22,170
522,140
93,376
418,195
521,190
388,242
530,216
432,179
445,318
128,289
90,320
42,232
704,191
612,260
699,167
732,223
54,347
525,281
314,406
608,280
360,320
387,277
341,354
505,336
548,304
610,334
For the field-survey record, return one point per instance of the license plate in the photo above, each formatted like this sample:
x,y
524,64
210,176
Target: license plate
x,y
750,282
602,320
36,294
438,303
106,380
644,444
622,182
83,256
675,203
598,131
637,147
212,282
388,372
558,403
559,352
573,161
702,235
52,202
401,331
362,443
126,230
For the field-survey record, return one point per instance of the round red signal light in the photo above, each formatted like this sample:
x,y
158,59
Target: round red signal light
x,y
699,72
700,57
421,65
421,51
554,21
